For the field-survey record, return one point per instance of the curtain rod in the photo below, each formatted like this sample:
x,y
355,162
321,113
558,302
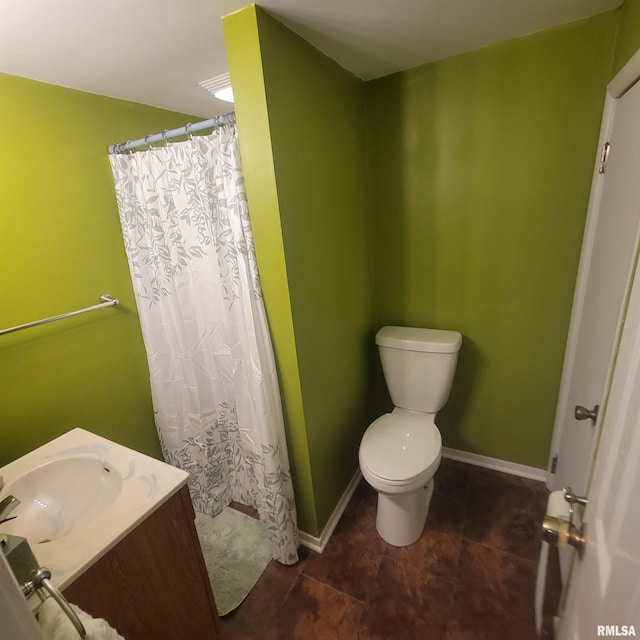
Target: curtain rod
x,y
187,130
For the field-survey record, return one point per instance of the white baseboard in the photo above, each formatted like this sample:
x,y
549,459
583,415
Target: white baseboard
x,y
318,544
497,465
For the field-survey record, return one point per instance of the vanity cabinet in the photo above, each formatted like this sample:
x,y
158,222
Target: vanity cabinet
x,y
153,585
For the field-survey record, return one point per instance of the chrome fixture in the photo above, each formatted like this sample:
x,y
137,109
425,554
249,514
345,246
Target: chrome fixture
x,y
33,578
40,580
106,300
7,506
582,413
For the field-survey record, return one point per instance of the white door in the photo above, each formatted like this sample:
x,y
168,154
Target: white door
x,y
603,597
605,266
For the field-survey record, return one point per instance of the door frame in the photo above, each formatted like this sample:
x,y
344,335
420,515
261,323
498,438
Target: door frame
x,y
611,491
623,80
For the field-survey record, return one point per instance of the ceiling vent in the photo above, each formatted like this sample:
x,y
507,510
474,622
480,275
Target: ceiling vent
x,y
220,87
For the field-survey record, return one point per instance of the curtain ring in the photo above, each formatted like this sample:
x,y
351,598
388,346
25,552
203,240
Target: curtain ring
x,y
165,138
146,141
186,129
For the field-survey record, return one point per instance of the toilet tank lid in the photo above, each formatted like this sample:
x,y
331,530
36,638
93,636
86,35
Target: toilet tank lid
x,y
414,339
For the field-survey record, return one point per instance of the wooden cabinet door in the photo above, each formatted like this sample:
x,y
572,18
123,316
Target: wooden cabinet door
x,y
153,584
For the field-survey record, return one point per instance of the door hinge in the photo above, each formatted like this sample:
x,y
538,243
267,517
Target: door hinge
x,y
604,154
554,463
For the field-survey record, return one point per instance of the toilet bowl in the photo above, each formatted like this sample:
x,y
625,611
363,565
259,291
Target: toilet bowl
x,y
399,454
400,451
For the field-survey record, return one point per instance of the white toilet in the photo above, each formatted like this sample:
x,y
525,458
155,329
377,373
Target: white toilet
x,y
400,451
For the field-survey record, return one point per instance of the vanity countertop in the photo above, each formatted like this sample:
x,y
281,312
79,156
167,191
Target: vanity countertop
x,y
146,484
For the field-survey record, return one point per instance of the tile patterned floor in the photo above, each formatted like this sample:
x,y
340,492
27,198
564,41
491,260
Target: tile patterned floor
x,y
471,575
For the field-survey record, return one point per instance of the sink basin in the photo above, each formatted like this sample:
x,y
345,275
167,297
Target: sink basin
x,y
61,497
80,495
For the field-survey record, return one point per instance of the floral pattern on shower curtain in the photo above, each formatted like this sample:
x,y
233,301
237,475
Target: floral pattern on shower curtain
x,y
185,223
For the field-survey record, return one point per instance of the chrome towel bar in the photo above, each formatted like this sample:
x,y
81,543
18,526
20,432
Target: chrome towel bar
x,y
106,301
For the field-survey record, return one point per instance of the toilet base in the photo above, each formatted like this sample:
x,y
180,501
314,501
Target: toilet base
x,y
401,517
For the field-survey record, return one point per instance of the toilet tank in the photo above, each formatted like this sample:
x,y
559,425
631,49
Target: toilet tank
x,y
418,365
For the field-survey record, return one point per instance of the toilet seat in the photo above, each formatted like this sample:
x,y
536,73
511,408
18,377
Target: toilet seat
x,y
400,449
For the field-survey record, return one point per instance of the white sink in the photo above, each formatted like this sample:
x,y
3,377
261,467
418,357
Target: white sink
x,y
61,497
80,495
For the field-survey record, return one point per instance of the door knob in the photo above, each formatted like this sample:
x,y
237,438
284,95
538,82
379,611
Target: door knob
x,y
582,413
560,533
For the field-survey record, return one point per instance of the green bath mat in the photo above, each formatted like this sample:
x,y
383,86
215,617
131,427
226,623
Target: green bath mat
x,y
236,551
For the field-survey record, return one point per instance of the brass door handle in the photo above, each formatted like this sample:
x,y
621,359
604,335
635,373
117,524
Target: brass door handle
x,y
560,533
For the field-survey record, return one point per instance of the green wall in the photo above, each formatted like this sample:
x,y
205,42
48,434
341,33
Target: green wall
x,y
628,36
480,167
60,249
301,119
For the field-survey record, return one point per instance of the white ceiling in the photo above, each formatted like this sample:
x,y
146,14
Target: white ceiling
x,y
157,51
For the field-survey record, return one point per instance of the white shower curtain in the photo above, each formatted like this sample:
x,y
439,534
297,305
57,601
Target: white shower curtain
x,y
187,235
